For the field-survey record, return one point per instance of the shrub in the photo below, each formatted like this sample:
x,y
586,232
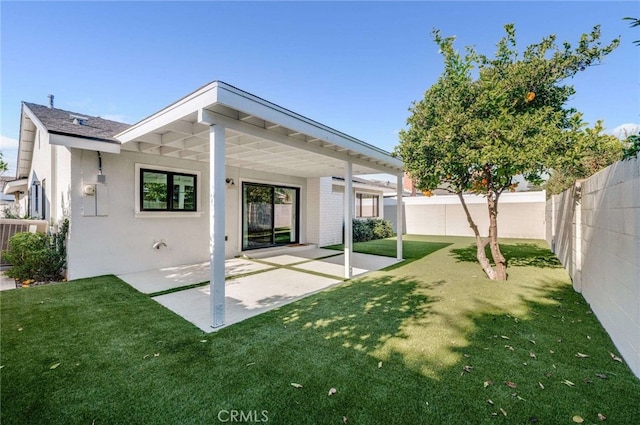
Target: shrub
x,y
362,232
37,256
381,228
372,228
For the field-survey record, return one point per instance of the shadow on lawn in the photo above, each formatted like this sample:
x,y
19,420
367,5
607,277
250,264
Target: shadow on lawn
x,y
527,364
520,254
424,328
362,313
458,359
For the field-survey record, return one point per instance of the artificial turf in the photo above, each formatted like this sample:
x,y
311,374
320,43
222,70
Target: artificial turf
x,y
429,341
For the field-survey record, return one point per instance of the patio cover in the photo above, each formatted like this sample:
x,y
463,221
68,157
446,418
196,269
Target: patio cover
x,y
224,125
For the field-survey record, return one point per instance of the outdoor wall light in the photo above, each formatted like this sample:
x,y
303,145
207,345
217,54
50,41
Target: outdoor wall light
x,y
230,182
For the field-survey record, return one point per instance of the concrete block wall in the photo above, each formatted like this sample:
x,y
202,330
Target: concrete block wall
x,y
561,231
520,215
597,238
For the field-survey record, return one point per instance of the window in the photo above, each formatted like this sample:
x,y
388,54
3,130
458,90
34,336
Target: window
x,y
367,205
167,191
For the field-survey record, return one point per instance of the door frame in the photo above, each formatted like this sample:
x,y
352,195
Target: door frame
x,y
296,210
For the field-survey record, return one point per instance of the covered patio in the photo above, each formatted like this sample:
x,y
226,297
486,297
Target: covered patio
x,y
253,285
227,127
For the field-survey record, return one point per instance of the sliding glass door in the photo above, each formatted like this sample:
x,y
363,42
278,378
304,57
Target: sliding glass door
x,y
269,215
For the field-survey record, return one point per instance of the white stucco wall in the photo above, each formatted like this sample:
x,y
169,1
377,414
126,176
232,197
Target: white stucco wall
x,y
120,242
597,238
41,171
520,215
60,192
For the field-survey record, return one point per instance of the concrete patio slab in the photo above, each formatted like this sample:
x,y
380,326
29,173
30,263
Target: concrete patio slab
x,y
151,281
361,263
6,282
246,296
266,287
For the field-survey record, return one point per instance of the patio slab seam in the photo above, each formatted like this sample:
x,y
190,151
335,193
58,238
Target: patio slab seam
x,y
237,276
306,260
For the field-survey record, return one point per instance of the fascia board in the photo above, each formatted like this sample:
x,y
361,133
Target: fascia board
x,y
81,143
29,113
204,97
15,186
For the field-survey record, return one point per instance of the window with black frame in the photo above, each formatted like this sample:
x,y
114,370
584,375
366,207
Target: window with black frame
x,y
167,191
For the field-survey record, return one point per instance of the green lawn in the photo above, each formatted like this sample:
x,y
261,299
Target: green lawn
x,y
431,341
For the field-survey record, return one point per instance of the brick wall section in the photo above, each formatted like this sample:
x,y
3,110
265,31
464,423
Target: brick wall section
x,y
325,211
313,210
598,241
332,216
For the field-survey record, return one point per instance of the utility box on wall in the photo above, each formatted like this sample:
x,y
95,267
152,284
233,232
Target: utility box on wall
x,y
95,200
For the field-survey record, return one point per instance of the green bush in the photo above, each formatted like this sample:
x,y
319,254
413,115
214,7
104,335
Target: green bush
x,y
371,228
381,228
362,232
37,256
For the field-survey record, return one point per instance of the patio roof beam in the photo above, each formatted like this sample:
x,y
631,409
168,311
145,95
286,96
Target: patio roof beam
x,y
262,133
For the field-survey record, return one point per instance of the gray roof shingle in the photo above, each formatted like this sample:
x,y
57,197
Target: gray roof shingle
x,y
59,121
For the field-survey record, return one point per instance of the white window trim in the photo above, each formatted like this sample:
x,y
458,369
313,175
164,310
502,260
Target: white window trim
x,y
167,214
372,194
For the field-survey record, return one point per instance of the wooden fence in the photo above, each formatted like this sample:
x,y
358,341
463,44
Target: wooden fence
x,y
9,227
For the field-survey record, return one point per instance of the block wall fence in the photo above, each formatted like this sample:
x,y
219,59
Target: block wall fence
x,y
520,215
594,229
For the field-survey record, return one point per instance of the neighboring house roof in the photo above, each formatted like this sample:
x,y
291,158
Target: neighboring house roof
x,y
59,121
373,185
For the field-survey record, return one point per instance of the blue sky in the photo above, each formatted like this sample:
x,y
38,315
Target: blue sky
x,y
355,66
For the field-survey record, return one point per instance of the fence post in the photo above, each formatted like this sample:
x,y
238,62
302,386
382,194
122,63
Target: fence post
x,y
577,242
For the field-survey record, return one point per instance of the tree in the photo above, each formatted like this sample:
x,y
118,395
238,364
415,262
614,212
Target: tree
x,y
591,152
486,121
635,22
4,167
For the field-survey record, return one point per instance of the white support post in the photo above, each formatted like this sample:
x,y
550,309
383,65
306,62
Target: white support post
x,y
399,220
348,219
217,190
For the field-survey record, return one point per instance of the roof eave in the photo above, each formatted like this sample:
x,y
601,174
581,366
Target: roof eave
x,y
220,93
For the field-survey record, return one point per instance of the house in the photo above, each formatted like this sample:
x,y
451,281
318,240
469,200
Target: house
x,y
215,174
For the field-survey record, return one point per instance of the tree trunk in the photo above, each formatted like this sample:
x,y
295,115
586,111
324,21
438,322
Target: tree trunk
x,y
498,258
480,243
